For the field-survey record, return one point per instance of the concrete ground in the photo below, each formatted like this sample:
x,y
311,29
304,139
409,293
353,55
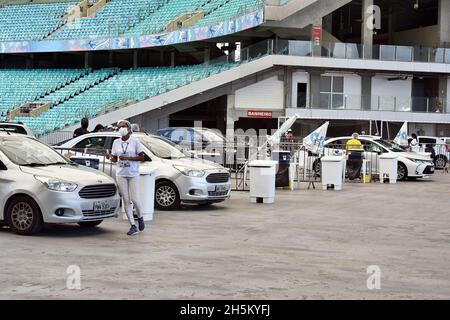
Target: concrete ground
x,y
309,245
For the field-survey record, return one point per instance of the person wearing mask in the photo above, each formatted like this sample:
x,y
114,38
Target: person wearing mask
x,y
83,129
414,144
290,135
127,152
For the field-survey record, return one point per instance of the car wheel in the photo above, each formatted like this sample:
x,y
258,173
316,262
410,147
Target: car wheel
x,y
440,162
167,196
24,216
402,172
90,224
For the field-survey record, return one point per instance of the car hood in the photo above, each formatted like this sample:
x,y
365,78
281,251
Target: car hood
x,y
79,175
414,156
194,163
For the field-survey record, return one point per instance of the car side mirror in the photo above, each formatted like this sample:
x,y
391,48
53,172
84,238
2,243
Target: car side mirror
x,y
2,166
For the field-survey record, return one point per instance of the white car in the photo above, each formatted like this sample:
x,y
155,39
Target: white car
x,y
179,177
410,165
442,153
16,127
38,186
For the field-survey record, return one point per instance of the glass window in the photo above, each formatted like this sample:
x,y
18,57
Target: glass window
x,y
325,84
338,84
161,147
91,143
29,152
179,136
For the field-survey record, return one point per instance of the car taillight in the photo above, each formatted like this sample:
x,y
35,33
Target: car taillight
x,y
447,148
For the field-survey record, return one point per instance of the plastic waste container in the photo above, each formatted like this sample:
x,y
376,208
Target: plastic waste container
x,y
388,167
262,181
147,184
283,158
332,172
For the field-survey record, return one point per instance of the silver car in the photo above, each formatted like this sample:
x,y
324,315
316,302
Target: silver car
x,y
179,177
38,186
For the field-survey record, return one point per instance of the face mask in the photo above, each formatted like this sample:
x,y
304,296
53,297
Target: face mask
x,y
123,131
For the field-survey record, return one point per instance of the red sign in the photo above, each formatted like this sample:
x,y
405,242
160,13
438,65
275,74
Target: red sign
x,y
317,35
261,114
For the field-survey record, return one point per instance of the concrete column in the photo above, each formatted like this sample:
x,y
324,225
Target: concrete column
x,y
288,88
111,59
367,31
87,58
135,59
207,56
366,91
444,23
443,93
314,85
161,58
172,58
230,116
316,49
391,26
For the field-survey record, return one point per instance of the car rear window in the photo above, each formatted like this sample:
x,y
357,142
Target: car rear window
x,y
13,129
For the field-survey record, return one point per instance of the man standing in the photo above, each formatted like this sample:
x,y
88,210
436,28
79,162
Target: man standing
x,y
355,154
83,129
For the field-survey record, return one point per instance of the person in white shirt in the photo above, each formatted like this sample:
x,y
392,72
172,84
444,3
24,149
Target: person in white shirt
x,y
414,144
127,152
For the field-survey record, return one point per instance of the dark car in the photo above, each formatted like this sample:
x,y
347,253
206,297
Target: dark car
x,y
205,143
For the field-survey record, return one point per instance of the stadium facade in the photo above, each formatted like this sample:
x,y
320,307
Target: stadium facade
x,y
364,65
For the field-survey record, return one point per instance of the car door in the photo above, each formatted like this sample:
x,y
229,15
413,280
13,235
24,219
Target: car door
x,y
372,152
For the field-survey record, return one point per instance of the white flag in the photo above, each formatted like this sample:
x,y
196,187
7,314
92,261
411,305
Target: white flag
x,y
402,136
276,137
316,140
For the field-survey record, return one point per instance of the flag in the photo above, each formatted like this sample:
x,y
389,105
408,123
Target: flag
x,y
276,137
402,136
316,140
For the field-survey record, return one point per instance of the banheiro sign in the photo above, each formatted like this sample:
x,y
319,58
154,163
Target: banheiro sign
x,y
259,114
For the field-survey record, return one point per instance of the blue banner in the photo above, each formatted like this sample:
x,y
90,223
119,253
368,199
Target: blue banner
x,y
182,36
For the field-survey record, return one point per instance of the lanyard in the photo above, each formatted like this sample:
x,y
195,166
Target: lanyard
x,y
125,150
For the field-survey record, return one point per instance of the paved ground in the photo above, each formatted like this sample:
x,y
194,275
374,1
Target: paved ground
x,y
309,245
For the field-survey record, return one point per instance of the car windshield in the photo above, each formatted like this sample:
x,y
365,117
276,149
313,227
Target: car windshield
x,y
212,136
25,151
162,148
390,146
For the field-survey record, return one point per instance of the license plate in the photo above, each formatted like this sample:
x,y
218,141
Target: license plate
x,y
221,188
432,169
102,206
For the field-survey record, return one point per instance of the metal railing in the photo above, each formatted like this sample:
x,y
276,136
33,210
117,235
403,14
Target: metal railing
x,y
342,101
359,51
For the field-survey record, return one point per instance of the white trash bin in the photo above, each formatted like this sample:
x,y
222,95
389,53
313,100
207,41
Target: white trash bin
x,y
147,184
388,167
332,172
262,181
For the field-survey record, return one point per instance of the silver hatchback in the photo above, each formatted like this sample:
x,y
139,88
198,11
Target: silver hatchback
x,y
38,185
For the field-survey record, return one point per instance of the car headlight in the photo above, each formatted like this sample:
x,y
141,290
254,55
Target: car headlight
x,y
57,184
190,172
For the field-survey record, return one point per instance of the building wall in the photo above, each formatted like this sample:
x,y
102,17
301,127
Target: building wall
x,y
391,95
265,95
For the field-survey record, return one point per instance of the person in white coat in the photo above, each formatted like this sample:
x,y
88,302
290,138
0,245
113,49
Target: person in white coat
x,y
128,153
414,144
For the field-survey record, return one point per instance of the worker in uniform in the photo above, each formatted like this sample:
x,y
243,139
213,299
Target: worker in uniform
x,y
355,156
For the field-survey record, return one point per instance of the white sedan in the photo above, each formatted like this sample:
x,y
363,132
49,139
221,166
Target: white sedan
x,y
410,165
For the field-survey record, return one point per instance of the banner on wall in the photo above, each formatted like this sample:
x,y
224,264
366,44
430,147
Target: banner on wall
x,y
244,22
